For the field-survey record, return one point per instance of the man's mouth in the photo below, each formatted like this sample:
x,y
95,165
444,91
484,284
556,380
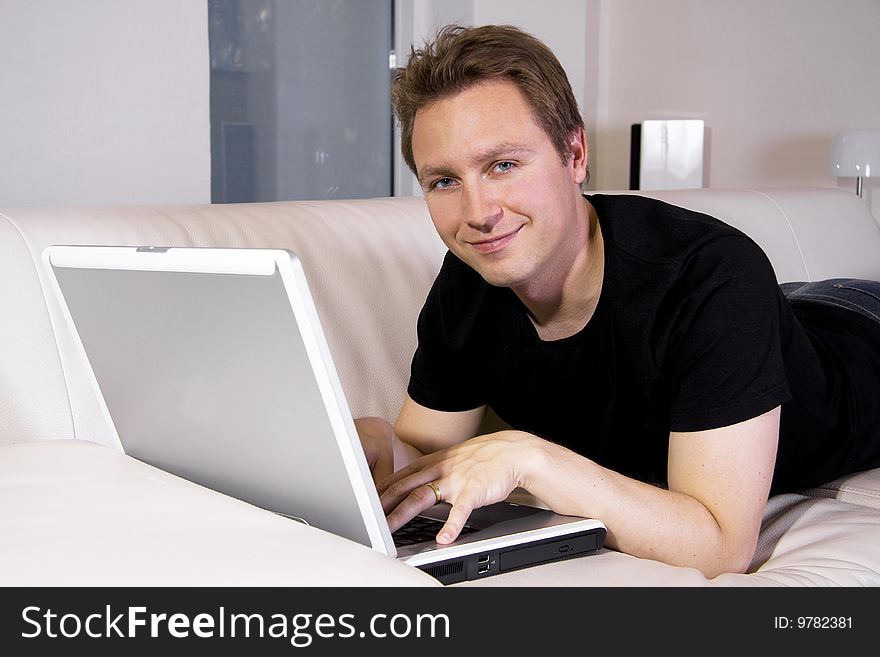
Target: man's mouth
x,y
495,244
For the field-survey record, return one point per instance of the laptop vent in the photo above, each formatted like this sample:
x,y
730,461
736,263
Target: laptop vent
x,y
445,569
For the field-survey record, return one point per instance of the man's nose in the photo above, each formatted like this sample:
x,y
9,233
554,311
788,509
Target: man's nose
x,y
481,208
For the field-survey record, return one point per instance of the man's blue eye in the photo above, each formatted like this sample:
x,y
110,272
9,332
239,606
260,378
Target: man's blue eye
x,y
443,183
504,166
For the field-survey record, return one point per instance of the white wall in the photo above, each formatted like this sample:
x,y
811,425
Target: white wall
x,y
773,80
104,102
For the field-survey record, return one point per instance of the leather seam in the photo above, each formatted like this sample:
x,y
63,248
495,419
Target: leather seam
x,y
797,242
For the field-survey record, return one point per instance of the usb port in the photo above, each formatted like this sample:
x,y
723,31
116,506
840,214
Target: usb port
x,y
482,564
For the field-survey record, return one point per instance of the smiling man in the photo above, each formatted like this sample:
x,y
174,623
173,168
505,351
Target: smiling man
x,y
506,203
641,353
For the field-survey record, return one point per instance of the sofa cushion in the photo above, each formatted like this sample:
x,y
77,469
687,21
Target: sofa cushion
x,y
75,513
808,541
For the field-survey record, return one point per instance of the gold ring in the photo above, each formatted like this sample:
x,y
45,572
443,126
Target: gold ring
x,y
438,496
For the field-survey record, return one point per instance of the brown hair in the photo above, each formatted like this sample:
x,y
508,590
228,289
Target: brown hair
x,y
461,57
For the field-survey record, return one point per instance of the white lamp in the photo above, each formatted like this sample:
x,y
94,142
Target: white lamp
x,y
855,154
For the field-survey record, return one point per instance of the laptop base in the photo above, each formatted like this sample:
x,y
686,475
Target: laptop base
x,y
494,562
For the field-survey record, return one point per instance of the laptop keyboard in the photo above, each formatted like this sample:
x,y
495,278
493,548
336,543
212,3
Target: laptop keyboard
x,y
421,529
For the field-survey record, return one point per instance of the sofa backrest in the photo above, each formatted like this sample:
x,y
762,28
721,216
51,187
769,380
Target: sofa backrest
x,y
809,234
370,264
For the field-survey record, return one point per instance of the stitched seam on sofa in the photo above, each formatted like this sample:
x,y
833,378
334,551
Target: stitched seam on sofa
x,y
34,262
867,492
797,242
825,491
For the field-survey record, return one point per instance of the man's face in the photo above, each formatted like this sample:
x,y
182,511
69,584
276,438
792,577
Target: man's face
x,y
500,196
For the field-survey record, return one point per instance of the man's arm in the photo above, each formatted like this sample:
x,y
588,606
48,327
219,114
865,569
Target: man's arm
x,y
419,430
709,518
430,431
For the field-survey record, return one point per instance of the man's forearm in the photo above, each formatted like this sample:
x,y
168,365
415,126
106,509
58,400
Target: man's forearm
x,y
642,520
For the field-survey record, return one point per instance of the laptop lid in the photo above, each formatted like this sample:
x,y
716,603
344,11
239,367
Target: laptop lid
x,y
211,363
207,364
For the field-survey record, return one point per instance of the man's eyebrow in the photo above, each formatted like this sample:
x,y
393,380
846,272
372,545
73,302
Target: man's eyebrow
x,y
495,152
431,172
500,151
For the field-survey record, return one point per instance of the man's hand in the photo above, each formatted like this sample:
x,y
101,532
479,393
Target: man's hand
x,y
474,473
377,439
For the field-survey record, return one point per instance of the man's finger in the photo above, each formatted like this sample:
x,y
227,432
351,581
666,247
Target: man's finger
x,y
419,499
455,521
383,466
416,466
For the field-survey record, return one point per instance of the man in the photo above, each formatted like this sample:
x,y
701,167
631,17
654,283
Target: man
x,y
640,352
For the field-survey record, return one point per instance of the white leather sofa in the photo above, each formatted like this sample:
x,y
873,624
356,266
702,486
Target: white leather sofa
x,y
74,511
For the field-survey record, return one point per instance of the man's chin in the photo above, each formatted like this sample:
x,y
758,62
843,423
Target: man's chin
x,y
500,278
495,270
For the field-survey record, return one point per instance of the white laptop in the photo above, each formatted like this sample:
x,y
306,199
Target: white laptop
x,y
211,363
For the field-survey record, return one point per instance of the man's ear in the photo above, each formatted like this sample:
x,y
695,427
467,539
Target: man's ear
x,y
578,156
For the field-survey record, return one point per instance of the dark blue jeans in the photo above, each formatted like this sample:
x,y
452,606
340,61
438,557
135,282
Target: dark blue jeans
x,y
858,295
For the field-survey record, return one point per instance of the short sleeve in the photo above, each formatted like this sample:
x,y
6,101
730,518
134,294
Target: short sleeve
x,y
723,360
444,374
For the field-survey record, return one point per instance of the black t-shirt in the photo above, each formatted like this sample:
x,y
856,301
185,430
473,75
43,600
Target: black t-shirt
x,y
691,332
